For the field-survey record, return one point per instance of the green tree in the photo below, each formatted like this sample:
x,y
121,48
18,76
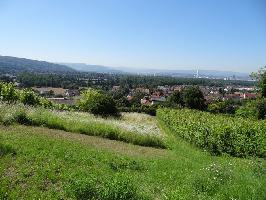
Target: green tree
x,y
193,98
175,99
261,77
261,108
29,97
137,98
263,84
98,103
8,92
119,98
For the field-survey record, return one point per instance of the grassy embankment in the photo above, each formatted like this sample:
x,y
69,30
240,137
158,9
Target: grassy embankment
x,y
37,162
83,123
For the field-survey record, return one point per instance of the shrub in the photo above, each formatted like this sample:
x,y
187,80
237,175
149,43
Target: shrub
x,y
29,97
217,133
97,103
253,109
226,107
8,92
261,107
150,110
45,103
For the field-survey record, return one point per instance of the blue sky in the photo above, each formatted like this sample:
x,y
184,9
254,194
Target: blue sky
x,y
162,34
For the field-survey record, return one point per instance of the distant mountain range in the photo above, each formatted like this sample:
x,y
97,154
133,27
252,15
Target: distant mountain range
x,y
182,73
10,64
91,68
187,73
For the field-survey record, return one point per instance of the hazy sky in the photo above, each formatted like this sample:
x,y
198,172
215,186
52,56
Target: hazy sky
x,y
169,34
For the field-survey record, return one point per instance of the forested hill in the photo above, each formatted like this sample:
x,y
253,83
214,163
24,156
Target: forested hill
x,y
10,64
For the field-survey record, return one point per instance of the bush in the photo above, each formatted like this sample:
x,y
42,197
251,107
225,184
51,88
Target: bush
x,y
8,92
150,110
46,103
97,103
226,107
261,108
255,109
29,97
217,133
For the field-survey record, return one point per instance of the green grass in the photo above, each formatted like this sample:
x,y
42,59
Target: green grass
x,y
77,123
41,163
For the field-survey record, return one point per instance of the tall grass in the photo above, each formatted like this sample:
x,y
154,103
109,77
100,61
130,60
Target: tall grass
x,y
43,117
217,133
132,122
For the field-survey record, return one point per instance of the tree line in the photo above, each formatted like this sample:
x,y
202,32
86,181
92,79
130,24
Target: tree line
x,y
107,81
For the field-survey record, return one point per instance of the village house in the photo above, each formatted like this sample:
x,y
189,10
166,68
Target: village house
x,y
129,97
157,100
72,92
233,96
142,90
63,101
145,101
249,96
165,88
213,97
246,89
177,88
115,88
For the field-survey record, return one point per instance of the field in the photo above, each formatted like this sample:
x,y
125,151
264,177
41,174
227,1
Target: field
x,y
42,163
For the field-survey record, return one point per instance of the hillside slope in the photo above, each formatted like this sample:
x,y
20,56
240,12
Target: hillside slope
x,y
40,163
91,68
10,64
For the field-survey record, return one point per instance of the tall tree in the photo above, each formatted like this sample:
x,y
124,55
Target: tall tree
x,y
261,77
193,98
175,99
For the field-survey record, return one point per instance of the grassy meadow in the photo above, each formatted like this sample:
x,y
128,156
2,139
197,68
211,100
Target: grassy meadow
x,y
40,162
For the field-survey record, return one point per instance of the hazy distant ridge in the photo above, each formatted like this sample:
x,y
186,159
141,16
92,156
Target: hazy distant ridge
x,y
9,64
92,68
106,69
188,72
